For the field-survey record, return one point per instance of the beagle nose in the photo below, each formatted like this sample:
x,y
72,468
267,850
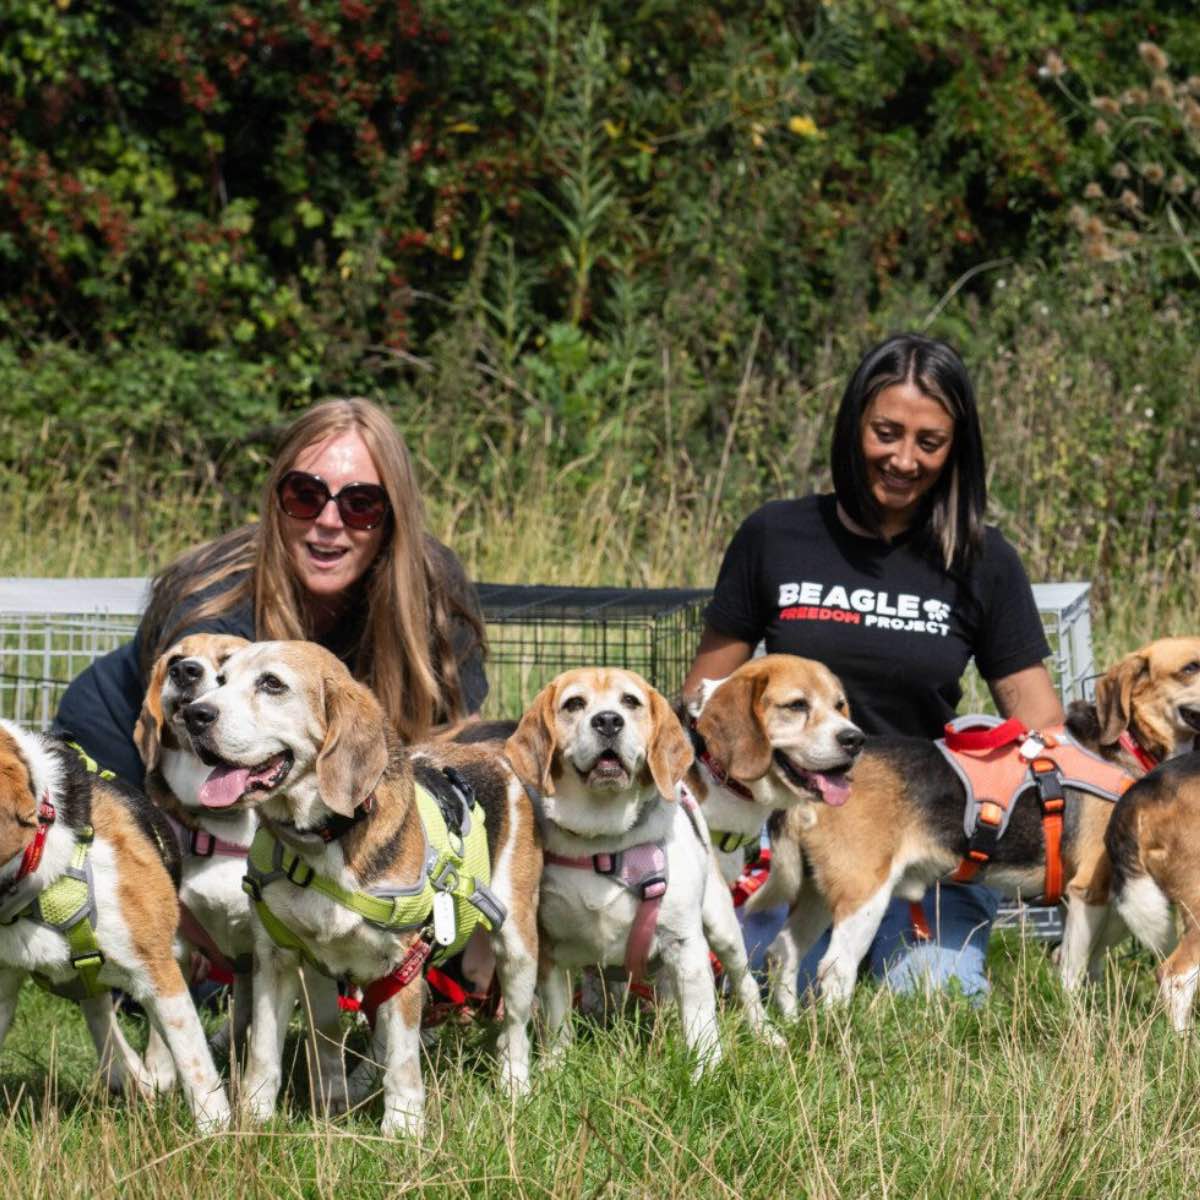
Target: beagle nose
x,y
185,672
198,717
851,740
608,723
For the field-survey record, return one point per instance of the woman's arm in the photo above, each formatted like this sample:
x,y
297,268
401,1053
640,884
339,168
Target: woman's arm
x,y
718,655
1029,696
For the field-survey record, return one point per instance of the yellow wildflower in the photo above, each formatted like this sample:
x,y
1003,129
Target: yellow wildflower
x,y
803,127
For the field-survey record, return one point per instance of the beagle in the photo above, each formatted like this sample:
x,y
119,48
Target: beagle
x,y
87,904
628,878
214,910
775,734
902,830
358,869
1153,836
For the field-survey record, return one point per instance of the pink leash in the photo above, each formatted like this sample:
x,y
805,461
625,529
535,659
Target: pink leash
x,y
203,844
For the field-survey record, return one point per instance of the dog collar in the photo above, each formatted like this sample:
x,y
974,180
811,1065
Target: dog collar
x,y
1144,758
31,857
718,772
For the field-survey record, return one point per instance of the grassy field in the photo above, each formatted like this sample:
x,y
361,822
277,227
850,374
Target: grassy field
x,y
1027,1095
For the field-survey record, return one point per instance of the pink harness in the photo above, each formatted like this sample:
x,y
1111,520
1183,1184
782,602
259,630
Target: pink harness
x,y
642,870
202,844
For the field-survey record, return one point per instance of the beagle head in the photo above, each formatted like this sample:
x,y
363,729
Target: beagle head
x,y
1155,694
27,774
780,725
185,672
599,744
288,728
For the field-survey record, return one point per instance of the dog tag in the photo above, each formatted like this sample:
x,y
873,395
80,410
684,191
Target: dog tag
x,y
444,925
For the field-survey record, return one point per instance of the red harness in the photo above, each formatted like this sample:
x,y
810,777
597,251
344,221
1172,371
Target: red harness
x,y
996,763
1143,757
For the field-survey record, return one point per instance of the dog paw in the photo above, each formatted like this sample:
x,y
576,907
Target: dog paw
x,y
400,1121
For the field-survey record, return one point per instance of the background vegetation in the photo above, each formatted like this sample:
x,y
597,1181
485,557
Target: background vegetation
x,y
608,265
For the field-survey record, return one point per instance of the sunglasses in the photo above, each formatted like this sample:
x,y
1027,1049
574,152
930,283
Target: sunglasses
x,y
304,496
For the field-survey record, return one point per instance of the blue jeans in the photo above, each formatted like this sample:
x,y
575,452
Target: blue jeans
x,y
959,915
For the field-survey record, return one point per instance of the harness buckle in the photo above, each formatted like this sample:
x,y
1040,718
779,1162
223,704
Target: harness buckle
x,y
290,872
445,878
92,958
210,845
653,888
605,863
252,888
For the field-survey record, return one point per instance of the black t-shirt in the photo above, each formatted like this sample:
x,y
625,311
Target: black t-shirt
x,y
100,706
887,620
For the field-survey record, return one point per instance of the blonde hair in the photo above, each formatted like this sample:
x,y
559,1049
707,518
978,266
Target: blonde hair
x,y
406,654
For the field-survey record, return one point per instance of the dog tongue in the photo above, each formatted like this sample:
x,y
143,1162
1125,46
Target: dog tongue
x,y
224,786
834,789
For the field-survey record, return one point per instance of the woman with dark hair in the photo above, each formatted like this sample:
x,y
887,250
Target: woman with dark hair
x,y
895,583
340,556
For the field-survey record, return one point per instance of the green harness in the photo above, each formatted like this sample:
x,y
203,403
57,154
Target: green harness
x,y
68,906
456,865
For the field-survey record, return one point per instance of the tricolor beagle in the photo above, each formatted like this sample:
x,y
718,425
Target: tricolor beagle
x,y
775,734
629,879
213,844
358,869
1154,836
87,904
902,829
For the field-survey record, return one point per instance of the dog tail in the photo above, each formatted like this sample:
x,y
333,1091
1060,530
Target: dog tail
x,y
785,880
1142,904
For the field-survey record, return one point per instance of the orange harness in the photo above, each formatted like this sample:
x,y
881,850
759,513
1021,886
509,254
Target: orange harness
x,y
997,761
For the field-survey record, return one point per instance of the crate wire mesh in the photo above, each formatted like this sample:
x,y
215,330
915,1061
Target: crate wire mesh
x,y
51,629
536,632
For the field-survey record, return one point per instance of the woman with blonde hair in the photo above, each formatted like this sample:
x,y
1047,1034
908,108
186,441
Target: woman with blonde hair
x,y
339,556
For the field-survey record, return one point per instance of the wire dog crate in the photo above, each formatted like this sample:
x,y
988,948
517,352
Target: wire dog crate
x,y
51,629
536,632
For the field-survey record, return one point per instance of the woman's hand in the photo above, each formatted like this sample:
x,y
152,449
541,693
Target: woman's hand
x,y
1028,695
718,655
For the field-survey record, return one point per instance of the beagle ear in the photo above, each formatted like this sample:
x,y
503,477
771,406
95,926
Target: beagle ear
x,y
532,746
147,733
731,725
669,753
354,753
1114,695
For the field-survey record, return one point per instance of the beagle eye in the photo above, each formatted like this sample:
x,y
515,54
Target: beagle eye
x,y
841,705
629,700
573,704
1191,668
271,684
799,705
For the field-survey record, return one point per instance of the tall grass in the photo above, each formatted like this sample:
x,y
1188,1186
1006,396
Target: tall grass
x,y
1028,1095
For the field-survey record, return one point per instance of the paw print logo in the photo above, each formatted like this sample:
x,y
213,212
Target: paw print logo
x,y
936,610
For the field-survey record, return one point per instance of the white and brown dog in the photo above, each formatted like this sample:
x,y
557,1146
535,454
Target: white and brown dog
x,y
629,879
902,829
87,903
213,843
774,735
291,733
1154,836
